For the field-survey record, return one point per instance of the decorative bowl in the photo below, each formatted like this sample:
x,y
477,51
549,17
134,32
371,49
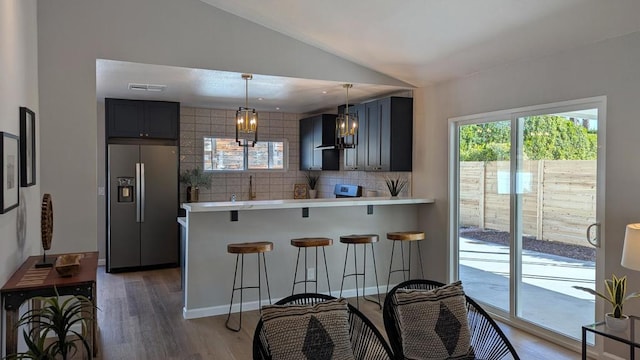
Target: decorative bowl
x,y
68,265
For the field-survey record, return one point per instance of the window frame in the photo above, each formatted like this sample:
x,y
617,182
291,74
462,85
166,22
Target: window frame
x,y
245,156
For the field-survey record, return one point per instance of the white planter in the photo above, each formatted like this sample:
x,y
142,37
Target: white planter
x,y
616,324
313,194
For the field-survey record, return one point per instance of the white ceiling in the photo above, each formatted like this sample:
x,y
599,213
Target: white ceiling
x,y
226,90
420,42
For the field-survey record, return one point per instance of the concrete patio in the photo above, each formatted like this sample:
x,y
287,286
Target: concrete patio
x,y
547,297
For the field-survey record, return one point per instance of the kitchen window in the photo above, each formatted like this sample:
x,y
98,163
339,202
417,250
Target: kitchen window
x,y
224,154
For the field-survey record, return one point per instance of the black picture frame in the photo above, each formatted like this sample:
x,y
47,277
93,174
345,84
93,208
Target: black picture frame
x,y
9,163
27,147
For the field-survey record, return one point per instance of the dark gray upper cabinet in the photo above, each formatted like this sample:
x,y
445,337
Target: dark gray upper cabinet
x,y
316,132
142,119
388,134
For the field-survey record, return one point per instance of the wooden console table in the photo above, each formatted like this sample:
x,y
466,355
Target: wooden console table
x,y
29,282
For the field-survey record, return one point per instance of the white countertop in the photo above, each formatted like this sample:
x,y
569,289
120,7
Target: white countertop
x,y
301,203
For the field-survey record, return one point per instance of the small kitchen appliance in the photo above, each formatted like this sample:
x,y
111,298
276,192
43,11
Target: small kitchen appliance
x,y
346,191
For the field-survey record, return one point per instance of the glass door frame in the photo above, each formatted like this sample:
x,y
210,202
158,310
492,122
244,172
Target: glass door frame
x,y
513,115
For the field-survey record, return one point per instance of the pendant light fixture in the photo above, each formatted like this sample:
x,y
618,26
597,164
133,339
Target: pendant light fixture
x,y
246,119
346,126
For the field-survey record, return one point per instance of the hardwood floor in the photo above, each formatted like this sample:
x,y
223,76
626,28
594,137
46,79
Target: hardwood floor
x,y
140,317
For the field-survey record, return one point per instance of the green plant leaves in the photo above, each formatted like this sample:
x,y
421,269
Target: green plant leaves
x,y
55,319
396,185
196,178
616,291
312,180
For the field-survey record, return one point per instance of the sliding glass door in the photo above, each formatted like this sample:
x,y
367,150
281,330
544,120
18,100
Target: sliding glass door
x,y
526,188
484,221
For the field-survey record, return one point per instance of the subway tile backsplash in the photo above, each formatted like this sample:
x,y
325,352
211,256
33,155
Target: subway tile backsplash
x,y
196,123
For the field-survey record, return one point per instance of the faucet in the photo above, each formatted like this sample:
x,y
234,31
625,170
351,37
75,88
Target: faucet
x,y
252,193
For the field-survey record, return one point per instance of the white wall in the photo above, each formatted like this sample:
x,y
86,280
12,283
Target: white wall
x,y
72,34
20,227
610,68
19,87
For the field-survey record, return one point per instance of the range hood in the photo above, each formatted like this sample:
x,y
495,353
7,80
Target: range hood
x,y
333,146
327,147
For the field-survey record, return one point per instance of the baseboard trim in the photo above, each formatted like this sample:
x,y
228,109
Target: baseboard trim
x,y
253,305
102,262
609,356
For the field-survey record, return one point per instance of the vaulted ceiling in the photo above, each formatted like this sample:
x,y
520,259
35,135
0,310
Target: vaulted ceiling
x,y
426,41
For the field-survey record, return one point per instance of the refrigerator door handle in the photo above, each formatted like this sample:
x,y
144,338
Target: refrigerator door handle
x,y
142,191
137,192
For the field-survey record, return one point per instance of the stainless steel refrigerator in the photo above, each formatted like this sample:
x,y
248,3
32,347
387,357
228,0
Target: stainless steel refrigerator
x,y
142,228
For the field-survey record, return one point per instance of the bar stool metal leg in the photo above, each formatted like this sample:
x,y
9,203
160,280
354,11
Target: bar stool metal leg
x,y
240,257
409,269
393,247
406,270
403,269
306,276
316,267
235,276
355,273
295,273
266,276
344,269
259,287
375,272
420,258
326,269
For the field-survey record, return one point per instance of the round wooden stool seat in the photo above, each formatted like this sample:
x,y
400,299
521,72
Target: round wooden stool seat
x,y
311,242
359,239
250,247
406,235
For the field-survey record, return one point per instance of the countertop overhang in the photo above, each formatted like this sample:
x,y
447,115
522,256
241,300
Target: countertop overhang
x,y
303,203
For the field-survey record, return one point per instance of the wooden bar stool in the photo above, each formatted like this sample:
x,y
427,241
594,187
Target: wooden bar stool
x,y
306,243
240,250
360,240
403,237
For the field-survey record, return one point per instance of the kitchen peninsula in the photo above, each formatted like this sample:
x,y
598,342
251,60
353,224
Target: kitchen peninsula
x,y
209,226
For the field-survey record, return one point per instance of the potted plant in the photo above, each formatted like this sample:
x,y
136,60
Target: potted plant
x,y
616,296
194,178
52,330
312,181
396,185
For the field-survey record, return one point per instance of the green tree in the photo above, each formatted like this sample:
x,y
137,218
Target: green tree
x,y
551,137
548,137
485,142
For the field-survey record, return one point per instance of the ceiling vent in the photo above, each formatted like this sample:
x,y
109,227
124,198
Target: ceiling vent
x,y
146,87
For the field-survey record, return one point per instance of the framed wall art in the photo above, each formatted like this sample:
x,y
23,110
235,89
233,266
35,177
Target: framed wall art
x,y
27,147
9,162
300,191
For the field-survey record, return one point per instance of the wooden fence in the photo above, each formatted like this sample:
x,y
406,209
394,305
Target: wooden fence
x,y
558,202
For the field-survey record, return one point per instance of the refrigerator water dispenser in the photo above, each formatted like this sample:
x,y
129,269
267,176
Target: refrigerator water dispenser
x,y
125,189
